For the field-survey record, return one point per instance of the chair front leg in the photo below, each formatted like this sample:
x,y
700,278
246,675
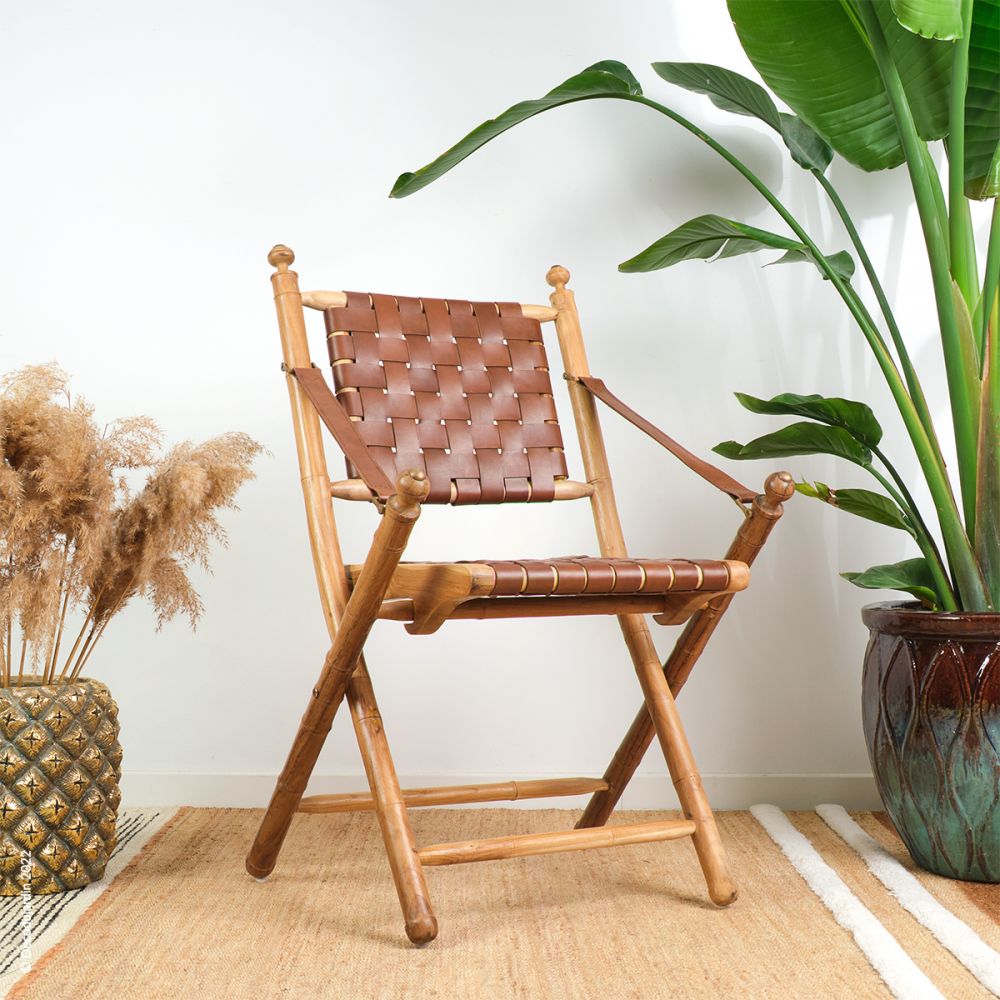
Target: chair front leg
x,y
401,513
749,540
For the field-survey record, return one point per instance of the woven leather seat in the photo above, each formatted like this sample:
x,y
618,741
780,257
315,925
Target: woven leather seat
x,y
433,592
586,575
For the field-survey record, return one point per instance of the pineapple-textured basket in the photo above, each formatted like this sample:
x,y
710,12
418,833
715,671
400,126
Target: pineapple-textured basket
x,y
60,765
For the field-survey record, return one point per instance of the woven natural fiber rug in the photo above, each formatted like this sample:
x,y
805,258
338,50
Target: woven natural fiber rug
x,y
184,920
31,926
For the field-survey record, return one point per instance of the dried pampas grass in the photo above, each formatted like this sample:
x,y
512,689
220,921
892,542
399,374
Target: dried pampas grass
x,y
76,542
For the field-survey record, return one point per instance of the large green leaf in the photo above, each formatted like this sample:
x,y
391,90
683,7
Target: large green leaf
x,y
930,18
982,103
734,92
603,79
924,66
799,439
911,575
711,237
856,418
806,146
841,263
863,503
726,89
816,57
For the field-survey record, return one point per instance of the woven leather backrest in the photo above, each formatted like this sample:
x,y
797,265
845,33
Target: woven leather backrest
x,y
458,389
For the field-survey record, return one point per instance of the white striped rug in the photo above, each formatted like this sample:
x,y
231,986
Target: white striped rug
x,y
47,919
899,972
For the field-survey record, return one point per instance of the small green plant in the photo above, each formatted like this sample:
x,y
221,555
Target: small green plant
x,y
873,81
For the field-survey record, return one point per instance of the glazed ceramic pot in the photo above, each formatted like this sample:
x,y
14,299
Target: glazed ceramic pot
x,y
931,707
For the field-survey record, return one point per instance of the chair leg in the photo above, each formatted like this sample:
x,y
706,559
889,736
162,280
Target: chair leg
x,y
764,514
313,729
407,869
640,735
680,761
401,513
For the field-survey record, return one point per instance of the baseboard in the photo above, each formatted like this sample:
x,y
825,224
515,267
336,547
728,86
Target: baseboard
x,y
647,791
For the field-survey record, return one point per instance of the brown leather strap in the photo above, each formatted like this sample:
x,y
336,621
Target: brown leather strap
x,y
573,575
342,428
719,479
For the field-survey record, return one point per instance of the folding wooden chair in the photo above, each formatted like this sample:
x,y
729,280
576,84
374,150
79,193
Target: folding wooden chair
x,y
451,402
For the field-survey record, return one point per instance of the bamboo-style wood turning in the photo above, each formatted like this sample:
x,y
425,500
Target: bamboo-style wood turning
x,y
528,844
452,400
453,795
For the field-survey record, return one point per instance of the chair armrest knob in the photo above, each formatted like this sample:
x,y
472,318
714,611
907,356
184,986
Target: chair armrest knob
x,y
779,488
412,487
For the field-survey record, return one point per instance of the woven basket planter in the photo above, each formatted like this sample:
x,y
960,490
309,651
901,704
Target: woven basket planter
x,y
60,764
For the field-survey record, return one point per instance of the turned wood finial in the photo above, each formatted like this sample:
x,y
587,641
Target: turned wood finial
x,y
281,257
412,487
779,488
557,277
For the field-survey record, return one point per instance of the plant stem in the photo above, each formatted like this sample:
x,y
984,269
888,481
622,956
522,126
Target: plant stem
x,y
97,629
909,372
85,653
971,584
988,487
991,277
960,365
50,665
58,638
80,634
961,239
922,535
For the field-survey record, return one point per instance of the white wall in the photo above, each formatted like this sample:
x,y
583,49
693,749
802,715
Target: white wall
x,y
154,153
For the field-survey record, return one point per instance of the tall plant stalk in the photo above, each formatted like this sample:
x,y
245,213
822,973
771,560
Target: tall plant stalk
x,y
960,355
906,364
988,520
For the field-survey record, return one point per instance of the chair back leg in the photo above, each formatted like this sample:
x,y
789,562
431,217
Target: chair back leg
x,y
662,711
753,533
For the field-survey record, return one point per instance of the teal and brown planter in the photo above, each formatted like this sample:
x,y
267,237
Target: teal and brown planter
x,y
931,707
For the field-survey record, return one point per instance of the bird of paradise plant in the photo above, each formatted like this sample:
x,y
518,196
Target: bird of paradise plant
x,y
874,81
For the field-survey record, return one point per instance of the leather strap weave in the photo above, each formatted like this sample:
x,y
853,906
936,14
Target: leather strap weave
x,y
459,390
719,479
572,575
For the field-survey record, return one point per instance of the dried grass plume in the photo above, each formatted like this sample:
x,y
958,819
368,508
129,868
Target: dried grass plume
x,y
76,542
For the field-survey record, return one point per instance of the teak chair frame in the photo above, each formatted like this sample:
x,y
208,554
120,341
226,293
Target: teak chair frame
x,y
354,597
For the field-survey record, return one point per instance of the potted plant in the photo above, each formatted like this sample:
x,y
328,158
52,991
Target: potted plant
x,y
77,543
876,81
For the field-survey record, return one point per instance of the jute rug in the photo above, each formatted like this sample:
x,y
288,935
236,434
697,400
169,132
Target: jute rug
x,y
31,926
184,920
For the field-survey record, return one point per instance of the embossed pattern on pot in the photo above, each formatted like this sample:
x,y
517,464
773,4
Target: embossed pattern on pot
x,y
931,706
60,765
